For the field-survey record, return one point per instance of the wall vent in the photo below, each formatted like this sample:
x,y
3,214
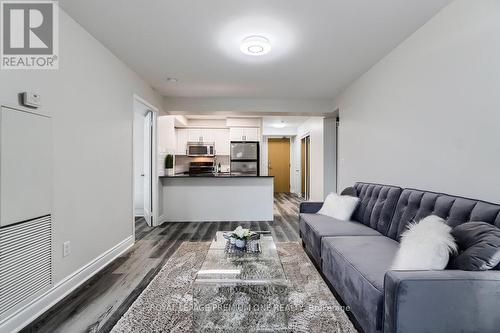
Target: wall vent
x,y
25,261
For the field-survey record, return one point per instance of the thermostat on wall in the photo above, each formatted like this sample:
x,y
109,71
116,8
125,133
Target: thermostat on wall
x,y
31,99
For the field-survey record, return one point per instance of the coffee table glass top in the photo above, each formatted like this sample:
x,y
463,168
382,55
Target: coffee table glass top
x,y
249,268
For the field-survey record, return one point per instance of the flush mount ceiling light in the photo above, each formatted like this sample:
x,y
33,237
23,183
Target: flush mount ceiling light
x,y
280,125
172,80
255,45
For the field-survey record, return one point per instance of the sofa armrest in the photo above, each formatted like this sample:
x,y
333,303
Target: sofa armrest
x,y
310,207
441,301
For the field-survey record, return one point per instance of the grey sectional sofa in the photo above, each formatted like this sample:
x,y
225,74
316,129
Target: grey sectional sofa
x,y
356,256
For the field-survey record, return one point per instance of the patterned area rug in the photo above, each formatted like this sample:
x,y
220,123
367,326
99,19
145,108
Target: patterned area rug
x,y
166,304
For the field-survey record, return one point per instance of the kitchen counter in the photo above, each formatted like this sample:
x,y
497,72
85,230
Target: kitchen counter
x,y
219,175
211,198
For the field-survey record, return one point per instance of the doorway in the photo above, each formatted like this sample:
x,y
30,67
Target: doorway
x,y
305,167
144,152
279,163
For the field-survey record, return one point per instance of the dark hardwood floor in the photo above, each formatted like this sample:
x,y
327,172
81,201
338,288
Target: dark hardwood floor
x,y
98,304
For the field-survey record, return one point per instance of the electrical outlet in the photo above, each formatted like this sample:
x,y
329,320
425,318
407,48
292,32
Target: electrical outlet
x,y
66,248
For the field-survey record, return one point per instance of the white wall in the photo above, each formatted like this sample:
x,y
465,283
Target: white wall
x,y
308,107
329,155
90,99
314,128
428,115
212,123
244,122
286,131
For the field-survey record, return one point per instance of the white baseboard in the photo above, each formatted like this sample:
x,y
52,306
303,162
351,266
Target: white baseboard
x,y
38,306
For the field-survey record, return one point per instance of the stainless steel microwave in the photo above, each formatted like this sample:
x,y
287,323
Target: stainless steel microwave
x,y
200,149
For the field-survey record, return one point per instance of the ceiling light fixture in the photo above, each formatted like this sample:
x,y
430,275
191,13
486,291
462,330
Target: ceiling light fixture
x,y
172,80
280,125
255,45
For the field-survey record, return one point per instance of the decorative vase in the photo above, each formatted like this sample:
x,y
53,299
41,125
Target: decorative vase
x,y
169,172
240,243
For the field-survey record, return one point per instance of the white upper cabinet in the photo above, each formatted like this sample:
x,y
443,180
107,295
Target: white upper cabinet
x,y
182,140
245,134
251,134
221,139
195,135
167,142
236,134
219,136
201,134
208,135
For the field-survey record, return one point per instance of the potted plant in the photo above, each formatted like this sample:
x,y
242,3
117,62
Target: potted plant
x,y
169,165
240,237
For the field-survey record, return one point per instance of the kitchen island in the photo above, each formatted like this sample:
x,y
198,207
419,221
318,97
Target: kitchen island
x,y
222,197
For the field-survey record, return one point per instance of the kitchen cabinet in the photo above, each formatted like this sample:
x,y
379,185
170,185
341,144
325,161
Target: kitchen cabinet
x,y
201,134
167,142
251,134
245,134
236,134
195,135
208,134
222,142
219,136
182,140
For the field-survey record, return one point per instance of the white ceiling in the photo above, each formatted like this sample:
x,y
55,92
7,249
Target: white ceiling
x,y
318,47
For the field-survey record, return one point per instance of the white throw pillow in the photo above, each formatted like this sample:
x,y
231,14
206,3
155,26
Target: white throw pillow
x,y
339,206
426,245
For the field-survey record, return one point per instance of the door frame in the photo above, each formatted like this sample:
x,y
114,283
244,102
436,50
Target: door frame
x,y
148,142
154,174
307,182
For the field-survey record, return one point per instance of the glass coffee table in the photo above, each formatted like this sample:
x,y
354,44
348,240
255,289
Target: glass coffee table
x,y
241,292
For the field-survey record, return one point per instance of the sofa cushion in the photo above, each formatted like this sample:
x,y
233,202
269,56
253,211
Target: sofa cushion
x,y
356,267
314,227
426,245
349,191
479,244
339,206
376,205
413,205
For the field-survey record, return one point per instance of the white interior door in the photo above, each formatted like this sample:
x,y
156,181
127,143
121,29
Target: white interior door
x,y
148,168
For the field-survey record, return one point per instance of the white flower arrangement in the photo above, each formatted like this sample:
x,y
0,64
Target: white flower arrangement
x,y
241,233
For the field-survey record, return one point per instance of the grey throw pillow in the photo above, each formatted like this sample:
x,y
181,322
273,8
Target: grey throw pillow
x,y
479,246
349,191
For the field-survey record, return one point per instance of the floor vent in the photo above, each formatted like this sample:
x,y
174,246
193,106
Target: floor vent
x,y
25,261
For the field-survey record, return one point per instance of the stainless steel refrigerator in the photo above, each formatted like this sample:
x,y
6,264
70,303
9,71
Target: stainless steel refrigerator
x,y
245,158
